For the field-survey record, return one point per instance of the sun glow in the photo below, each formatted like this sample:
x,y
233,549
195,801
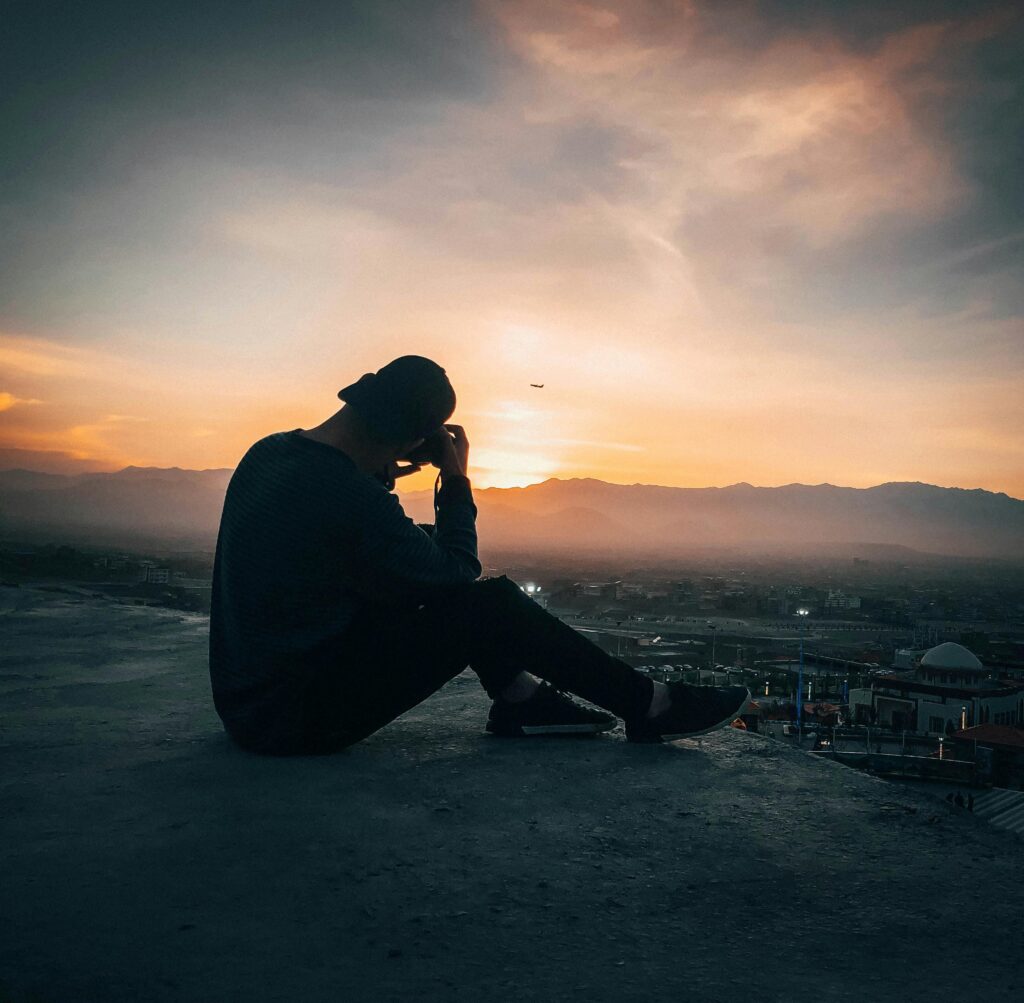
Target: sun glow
x,y
510,468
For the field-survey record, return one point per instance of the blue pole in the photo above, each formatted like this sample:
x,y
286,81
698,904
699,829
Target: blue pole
x,y
800,690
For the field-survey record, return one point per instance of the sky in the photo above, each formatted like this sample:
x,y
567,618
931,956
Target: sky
x,y
770,242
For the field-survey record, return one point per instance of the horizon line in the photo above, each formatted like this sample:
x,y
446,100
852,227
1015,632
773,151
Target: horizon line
x,y
631,484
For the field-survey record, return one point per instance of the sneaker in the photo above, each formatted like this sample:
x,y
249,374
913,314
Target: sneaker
x,y
547,712
695,710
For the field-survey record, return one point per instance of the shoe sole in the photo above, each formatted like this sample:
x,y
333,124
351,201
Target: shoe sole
x,y
714,727
553,729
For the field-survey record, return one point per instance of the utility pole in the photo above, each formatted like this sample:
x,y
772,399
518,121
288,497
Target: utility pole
x,y
802,612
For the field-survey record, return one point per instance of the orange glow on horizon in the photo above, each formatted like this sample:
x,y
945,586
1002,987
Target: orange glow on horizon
x,y
74,413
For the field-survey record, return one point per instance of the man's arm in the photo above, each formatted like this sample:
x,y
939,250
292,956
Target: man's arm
x,y
398,559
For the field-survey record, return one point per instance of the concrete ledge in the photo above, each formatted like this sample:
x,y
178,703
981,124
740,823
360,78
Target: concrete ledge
x,y
145,858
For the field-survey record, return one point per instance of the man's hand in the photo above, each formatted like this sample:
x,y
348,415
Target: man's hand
x,y
393,471
398,471
455,452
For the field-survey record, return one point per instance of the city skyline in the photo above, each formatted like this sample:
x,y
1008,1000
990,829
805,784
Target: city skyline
x,y
747,242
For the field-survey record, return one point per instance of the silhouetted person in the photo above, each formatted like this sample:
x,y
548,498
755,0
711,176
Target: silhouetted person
x,y
959,800
333,613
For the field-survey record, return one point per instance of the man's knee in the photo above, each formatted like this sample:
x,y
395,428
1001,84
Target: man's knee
x,y
502,583
483,599
500,589
500,593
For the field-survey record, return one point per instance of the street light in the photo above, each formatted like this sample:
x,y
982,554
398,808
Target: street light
x,y
712,627
802,612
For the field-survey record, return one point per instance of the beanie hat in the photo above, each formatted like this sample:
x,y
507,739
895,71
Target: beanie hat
x,y
408,399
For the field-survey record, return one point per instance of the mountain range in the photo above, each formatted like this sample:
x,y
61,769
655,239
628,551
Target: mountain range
x,y
182,507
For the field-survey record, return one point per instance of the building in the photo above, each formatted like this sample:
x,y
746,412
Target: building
x,y
948,690
837,599
1005,746
907,658
602,590
774,605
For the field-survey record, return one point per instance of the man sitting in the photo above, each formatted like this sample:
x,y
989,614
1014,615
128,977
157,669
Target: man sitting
x,y
333,613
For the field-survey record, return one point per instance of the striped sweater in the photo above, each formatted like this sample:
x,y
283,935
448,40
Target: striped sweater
x,y
306,542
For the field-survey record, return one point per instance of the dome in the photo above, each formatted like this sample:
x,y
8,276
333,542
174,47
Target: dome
x,y
950,656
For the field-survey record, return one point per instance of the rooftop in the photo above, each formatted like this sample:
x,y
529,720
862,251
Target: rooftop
x,y
994,734
907,682
146,858
951,656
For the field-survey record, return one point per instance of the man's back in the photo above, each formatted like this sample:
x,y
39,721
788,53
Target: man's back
x,y
307,541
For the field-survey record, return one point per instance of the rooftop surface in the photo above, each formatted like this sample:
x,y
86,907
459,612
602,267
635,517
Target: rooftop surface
x,y
143,857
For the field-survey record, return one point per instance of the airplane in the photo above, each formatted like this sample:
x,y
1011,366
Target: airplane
x,y
539,386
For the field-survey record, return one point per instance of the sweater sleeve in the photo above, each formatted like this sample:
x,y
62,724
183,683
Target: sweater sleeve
x,y
399,560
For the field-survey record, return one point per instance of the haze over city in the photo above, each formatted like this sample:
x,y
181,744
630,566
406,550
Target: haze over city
x,y
765,242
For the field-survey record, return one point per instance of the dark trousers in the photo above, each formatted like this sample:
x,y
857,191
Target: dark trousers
x,y
392,660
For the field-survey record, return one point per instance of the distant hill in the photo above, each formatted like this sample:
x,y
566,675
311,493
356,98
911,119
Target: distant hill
x,y
594,514
147,503
133,505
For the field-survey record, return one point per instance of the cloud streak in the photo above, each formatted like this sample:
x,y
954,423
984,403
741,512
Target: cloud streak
x,y
7,401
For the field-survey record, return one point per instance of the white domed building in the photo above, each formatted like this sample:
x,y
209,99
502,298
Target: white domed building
x,y
948,689
950,664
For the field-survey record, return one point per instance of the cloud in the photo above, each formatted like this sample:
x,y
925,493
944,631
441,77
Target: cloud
x,y
8,400
54,461
39,357
981,249
747,157
124,401
597,444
